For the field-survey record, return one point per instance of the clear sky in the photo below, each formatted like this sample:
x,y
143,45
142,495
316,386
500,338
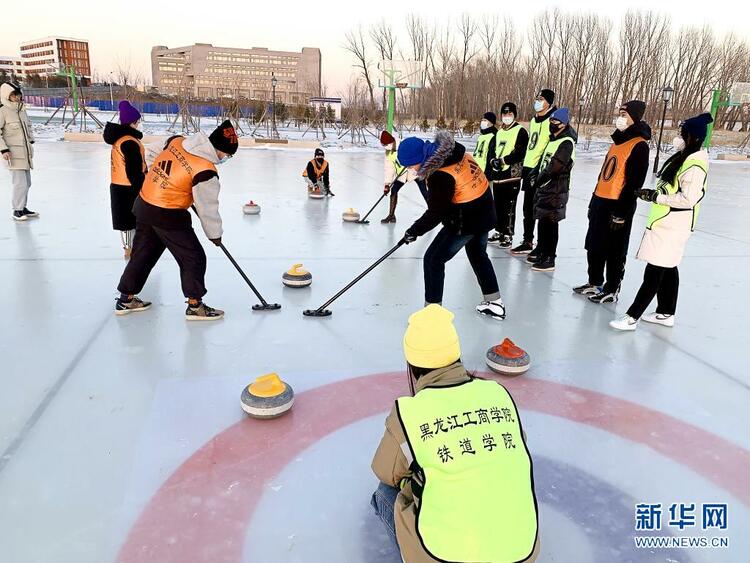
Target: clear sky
x,y
124,32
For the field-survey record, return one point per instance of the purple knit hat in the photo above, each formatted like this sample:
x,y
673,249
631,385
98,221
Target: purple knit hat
x,y
128,114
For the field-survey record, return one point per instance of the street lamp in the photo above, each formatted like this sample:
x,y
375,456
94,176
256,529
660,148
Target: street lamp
x,y
111,95
581,103
274,82
666,95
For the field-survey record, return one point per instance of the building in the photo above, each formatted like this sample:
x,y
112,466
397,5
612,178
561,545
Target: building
x,y
11,67
333,103
207,72
45,57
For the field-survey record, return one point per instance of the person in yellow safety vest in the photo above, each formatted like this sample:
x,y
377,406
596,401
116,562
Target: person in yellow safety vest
x,y
182,176
396,176
507,163
613,203
485,149
675,203
317,174
551,186
460,199
539,136
455,472
128,170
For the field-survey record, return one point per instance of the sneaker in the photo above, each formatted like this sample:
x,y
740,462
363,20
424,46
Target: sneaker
x,y
587,289
603,297
532,258
388,219
132,306
624,323
29,213
523,248
495,238
506,242
494,309
203,312
19,216
329,193
659,319
544,264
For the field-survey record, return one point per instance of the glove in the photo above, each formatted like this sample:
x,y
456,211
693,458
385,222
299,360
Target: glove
x,y
409,238
387,189
648,195
616,223
216,241
497,164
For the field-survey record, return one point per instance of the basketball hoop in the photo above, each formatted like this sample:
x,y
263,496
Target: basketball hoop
x,y
400,74
739,94
402,85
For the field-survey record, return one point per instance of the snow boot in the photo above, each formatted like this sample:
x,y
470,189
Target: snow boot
x,y
391,217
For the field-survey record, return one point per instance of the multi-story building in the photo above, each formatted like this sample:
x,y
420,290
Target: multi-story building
x,y
11,67
205,71
45,57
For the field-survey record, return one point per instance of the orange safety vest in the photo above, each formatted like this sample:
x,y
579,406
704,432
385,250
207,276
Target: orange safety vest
x,y
319,170
169,183
612,176
117,161
471,183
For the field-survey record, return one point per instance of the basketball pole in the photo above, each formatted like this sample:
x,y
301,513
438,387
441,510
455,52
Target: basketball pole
x,y
391,87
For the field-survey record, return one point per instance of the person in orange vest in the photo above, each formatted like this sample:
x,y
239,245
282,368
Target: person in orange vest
x,y
317,174
613,204
461,199
128,170
183,175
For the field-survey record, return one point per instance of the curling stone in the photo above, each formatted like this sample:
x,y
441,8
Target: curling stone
x,y
351,215
267,397
508,359
316,194
251,208
297,276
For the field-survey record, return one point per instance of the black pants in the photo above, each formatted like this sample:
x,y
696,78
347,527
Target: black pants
x,y
148,246
529,192
506,198
549,234
444,247
398,184
612,256
662,283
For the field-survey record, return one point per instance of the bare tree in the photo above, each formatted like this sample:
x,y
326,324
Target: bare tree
x,y
355,44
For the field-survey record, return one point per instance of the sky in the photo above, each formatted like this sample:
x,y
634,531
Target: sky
x,y
124,34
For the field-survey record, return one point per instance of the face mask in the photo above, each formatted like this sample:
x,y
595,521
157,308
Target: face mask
x,y
678,143
538,105
137,126
484,124
224,158
621,123
319,159
388,147
508,120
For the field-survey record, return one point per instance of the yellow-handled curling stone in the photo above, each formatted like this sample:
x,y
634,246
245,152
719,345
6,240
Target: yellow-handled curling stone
x,y
267,397
508,359
351,215
297,276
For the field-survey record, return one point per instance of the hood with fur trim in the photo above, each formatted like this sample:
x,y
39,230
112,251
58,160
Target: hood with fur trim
x,y
445,147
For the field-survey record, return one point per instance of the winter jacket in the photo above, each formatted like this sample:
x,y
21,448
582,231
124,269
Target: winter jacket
x,y
206,189
553,180
16,135
664,243
122,197
471,218
314,178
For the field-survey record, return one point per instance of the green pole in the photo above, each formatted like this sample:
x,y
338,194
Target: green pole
x,y
73,81
715,103
391,107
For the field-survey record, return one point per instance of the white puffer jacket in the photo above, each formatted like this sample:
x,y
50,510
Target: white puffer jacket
x,y
16,135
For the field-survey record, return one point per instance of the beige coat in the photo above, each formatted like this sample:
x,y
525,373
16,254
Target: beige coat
x,y
664,243
16,135
391,467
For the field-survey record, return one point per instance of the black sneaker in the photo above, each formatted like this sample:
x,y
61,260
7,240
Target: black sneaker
x,y
132,306
587,289
533,257
19,216
202,312
29,213
603,297
506,242
544,264
495,238
523,248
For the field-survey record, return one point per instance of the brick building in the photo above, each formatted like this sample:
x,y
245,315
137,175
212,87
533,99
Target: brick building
x,y
44,57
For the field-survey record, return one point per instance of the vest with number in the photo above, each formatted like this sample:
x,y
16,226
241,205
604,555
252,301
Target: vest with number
x,y
169,183
393,157
539,136
117,161
319,170
612,175
471,183
659,211
481,150
505,142
551,149
478,501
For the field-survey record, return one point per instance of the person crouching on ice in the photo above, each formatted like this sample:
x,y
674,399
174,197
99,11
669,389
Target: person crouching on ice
x,y
460,199
317,174
455,473
182,175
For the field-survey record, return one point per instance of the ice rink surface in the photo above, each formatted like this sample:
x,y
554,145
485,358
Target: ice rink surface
x,y
122,439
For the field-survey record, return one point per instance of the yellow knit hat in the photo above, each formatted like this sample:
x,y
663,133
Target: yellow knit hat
x,y
431,340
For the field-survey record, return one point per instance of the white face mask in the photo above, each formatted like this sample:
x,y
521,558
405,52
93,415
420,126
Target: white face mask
x,y
485,124
621,123
678,143
508,120
224,158
388,147
538,105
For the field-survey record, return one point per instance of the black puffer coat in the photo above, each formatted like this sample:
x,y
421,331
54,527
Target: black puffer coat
x,y
122,198
553,182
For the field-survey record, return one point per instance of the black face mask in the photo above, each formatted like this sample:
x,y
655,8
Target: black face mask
x,y
319,158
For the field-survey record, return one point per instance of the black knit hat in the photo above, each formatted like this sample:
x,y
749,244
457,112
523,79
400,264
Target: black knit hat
x,y
509,107
224,138
491,117
548,95
635,109
697,126
319,152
